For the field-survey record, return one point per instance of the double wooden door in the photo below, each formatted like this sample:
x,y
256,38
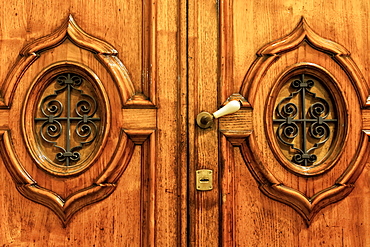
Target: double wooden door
x,y
99,140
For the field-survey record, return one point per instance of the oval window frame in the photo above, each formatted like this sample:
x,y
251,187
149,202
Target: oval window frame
x,y
39,85
334,152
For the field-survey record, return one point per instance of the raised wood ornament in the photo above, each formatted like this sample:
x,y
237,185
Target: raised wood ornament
x,y
68,120
266,153
99,143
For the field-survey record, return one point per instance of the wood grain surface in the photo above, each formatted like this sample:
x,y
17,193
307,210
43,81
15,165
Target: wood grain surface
x,y
121,42
252,219
160,63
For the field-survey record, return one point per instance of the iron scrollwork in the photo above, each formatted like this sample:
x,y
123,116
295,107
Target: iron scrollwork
x,y
59,118
303,120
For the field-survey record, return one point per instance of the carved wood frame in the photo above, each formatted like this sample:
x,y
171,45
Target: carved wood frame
x,y
106,182
103,186
104,53
271,52
274,188
269,184
30,110
327,162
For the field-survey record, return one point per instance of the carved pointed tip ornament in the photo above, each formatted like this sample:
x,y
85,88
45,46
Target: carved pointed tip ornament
x,y
86,121
302,32
271,52
287,114
104,53
69,29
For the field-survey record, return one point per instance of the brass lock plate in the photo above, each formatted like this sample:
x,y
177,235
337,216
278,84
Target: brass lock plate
x,y
204,179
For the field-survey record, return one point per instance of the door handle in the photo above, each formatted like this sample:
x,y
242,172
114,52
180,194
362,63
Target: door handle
x,y
205,119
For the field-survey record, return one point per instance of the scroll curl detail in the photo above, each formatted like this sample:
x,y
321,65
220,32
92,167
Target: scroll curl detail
x,y
56,115
304,120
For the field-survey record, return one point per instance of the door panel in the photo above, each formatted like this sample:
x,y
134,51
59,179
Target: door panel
x,y
249,217
143,208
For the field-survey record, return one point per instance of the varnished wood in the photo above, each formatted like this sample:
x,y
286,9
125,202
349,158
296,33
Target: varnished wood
x,y
308,207
139,119
149,63
183,226
66,207
105,53
366,119
303,32
203,95
253,220
141,218
272,186
170,140
138,136
184,57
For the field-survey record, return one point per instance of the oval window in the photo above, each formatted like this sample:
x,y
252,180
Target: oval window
x,y
307,119
66,114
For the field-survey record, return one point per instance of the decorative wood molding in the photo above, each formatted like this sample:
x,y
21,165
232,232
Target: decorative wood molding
x,y
308,207
236,138
69,29
38,145
116,146
149,59
103,52
103,186
139,100
270,185
302,32
327,160
236,96
367,132
226,48
145,139
271,52
138,136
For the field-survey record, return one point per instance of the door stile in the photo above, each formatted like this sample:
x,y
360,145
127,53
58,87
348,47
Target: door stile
x,y
203,143
183,125
226,177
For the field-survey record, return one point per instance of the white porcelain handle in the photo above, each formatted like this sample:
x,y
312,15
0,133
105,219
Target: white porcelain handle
x,y
231,107
205,119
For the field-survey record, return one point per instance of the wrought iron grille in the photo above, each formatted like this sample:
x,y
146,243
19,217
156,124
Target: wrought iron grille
x,y
63,119
309,117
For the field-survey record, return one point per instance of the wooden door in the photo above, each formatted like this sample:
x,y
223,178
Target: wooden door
x,y
99,143
91,143
291,167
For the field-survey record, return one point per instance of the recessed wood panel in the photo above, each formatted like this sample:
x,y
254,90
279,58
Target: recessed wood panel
x,y
304,202
67,101
127,70
265,86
